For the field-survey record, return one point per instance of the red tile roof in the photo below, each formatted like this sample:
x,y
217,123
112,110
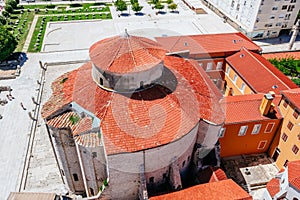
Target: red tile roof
x,y
208,44
222,190
144,119
294,173
259,73
125,54
293,96
244,108
280,55
273,186
211,174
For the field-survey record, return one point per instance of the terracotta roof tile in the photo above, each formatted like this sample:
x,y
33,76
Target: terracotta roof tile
x,y
294,173
243,108
90,139
123,54
280,55
211,174
149,118
273,186
259,73
222,190
206,44
293,96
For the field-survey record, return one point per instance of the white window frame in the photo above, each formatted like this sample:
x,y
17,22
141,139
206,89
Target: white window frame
x,y
265,141
256,129
228,70
219,65
243,87
209,66
221,132
235,77
243,130
273,124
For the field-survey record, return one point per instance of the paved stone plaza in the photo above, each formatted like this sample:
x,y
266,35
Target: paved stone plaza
x,y
64,43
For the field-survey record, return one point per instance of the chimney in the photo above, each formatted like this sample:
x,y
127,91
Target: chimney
x,y
266,104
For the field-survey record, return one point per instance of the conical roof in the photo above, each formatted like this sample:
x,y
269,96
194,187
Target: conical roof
x,y
126,54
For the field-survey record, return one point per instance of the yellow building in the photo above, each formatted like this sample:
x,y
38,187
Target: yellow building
x,y
286,144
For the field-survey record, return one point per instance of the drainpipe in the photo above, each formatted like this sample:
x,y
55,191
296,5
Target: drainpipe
x,y
82,170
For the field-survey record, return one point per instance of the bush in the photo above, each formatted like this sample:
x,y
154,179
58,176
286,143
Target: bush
x,y
75,5
9,9
51,6
296,81
2,20
5,13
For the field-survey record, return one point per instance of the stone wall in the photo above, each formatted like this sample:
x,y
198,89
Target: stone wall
x,y
128,81
124,168
65,149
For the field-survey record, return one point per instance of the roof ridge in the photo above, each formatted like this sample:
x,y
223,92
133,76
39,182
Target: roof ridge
x,y
131,51
266,68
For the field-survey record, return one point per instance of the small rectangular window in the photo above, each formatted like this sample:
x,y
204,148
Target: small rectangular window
x,y
75,177
272,17
269,127
262,144
278,24
209,66
243,130
243,87
284,137
285,103
295,149
221,132
219,65
235,78
256,128
284,7
296,114
290,125
275,8
228,70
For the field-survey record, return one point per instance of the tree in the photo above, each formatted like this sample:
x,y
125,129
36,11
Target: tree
x,y
8,43
12,3
159,6
169,1
2,20
5,13
172,6
136,7
134,1
155,1
9,8
121,5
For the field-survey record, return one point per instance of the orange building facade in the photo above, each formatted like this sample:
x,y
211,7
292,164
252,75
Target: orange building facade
x,y
286,145
247,130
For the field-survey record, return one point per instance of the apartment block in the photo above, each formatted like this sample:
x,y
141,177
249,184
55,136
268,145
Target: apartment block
x,y
286,145
258,19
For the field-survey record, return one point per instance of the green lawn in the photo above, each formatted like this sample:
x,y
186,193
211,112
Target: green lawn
x,y
19,23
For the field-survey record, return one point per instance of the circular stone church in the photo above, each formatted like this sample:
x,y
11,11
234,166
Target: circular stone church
x,y
132,119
